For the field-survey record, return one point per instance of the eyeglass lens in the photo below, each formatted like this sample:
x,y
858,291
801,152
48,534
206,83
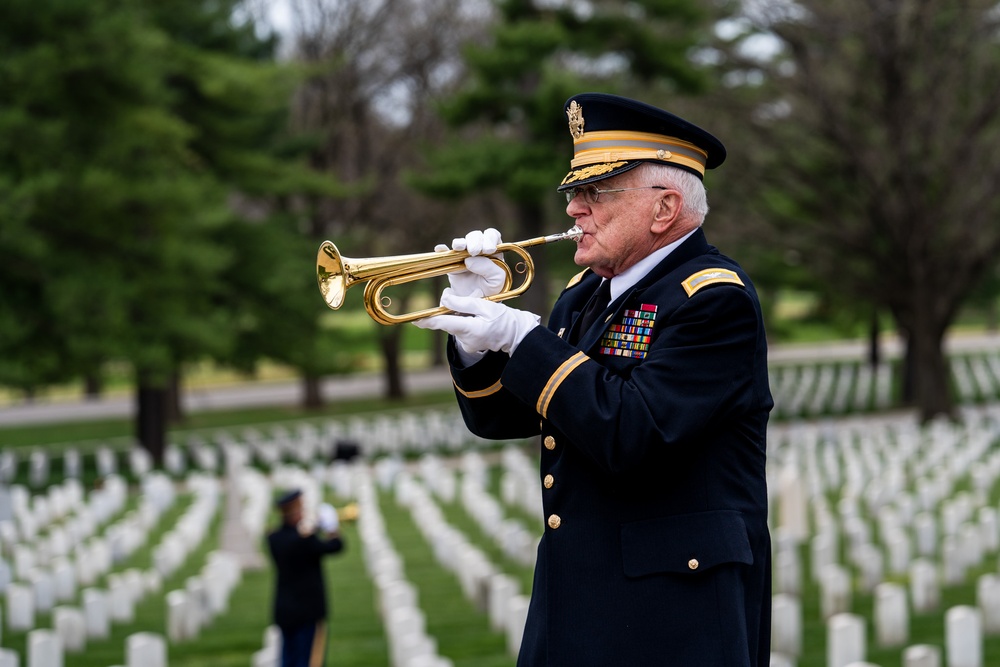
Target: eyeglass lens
x,y
590,193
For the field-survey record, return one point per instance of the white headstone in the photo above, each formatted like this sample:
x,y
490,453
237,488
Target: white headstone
x,y
197,608
266,657
964,637
922,655
64,579
871,563
6,504
989,528
925,588
953,562
120,599
835,591
787,571
926,532
792,504
845,641
44,649
20,608
503,588
24,561
145,649
517,616
71,463
786,625
6,576
892,616
96,612
897,544
988,602
38,468
9,658
45,590
71,626
177,610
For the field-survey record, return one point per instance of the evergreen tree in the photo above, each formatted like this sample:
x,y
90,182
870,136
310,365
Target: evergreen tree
x,y
514,136
127,130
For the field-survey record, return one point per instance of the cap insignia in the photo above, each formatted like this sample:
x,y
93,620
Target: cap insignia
x,y
575,113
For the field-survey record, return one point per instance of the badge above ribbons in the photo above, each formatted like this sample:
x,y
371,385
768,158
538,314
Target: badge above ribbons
x,y
630,336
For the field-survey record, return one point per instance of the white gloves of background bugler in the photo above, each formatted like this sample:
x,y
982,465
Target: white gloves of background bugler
x,y
327,519
480,325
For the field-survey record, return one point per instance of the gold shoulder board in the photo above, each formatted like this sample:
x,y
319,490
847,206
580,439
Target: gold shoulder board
x,y
577,278
708,277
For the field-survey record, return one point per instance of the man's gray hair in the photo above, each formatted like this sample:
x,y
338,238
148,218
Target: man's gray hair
x,y
690,186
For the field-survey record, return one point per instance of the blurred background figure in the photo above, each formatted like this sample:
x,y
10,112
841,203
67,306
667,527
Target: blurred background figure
x,y
300,607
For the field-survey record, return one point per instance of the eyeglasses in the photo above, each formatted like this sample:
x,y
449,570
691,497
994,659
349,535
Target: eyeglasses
x,y
592,194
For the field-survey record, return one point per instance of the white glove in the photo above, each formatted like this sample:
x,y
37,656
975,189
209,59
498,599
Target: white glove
x,y
478,242
493,326
482,273
327,519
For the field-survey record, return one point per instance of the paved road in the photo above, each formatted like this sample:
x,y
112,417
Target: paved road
x,y
261,394
255,394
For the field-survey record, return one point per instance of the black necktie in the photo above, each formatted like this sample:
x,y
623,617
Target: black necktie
x,y
594,307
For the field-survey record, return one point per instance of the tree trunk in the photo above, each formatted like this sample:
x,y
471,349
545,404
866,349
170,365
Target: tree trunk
x,y
312,392
92,386
390,339
151,419
926,375
439,342
874,353
175,411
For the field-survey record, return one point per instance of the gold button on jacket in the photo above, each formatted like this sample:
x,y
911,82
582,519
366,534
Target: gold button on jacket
x,y
693,563
554,521
550,442
549,481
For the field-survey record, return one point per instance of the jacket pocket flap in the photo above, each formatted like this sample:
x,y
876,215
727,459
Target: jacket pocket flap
x,y
685,543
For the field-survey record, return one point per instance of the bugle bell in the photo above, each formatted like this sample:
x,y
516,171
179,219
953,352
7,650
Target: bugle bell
x,y
336,273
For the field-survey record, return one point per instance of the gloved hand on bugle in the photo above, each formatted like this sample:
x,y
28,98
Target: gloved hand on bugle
x,y
481,325
481,272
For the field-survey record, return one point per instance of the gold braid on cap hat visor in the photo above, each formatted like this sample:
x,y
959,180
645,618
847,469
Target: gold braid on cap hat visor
x,y
618,146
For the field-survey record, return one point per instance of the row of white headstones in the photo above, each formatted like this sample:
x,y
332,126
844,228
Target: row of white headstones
x,y
59,545
803,390
409,431
418,487
880,501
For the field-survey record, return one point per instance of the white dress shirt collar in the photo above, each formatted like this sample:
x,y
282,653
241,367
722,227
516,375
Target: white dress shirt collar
x,y
624,281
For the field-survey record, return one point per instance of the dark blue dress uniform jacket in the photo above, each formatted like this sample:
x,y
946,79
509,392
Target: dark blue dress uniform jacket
x,y
655,549
300,593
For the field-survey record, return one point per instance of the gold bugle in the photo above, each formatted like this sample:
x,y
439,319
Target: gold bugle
x,y
336,273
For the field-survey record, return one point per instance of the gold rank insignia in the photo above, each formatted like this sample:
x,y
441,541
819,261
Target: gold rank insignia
x,y
707,277
575,279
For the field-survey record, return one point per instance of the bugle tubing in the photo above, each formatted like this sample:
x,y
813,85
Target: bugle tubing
x,y
335,274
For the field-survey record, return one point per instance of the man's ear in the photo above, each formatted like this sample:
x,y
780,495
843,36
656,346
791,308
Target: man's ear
x,y
667,210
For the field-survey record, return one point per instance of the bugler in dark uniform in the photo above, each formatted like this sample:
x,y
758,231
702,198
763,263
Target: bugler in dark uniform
x,y
300,606
655,549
